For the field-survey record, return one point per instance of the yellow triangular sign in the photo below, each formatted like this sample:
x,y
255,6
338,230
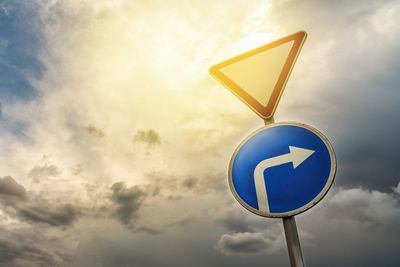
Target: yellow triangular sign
x,y
259,76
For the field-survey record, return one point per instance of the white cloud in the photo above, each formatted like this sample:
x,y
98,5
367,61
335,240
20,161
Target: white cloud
x,y
397,188
249,243
369,206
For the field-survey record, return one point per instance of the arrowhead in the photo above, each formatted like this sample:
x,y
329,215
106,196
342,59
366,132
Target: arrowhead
x,y
299,155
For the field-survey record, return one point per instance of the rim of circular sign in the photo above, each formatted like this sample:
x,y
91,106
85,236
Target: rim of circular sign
x,y
302,208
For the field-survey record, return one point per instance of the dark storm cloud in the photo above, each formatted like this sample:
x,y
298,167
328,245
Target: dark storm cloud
x,y
63,215
189,182
26,247
173,197
11,254
127,201
149,137
203,183
94,131
19,204
43,171
11,190
355,47
367,140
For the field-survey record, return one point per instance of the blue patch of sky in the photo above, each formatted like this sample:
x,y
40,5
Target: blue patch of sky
x,y
20,42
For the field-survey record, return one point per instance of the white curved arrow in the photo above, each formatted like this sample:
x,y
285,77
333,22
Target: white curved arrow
x,y
296,155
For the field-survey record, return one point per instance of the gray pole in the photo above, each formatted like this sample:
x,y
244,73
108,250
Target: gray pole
x,y
292,238
293,242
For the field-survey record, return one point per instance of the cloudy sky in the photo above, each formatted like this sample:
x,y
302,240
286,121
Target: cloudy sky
x,y
115,141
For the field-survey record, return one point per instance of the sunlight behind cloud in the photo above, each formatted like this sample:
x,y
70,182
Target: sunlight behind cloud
x,y
124,149
124,67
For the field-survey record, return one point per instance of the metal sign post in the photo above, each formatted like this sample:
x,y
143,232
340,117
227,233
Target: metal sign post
x,y
293,242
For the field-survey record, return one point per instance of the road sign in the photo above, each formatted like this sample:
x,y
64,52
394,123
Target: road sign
x,y
259,76
282,169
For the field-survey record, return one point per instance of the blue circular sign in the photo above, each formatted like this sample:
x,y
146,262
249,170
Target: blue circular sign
x,y
282,169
